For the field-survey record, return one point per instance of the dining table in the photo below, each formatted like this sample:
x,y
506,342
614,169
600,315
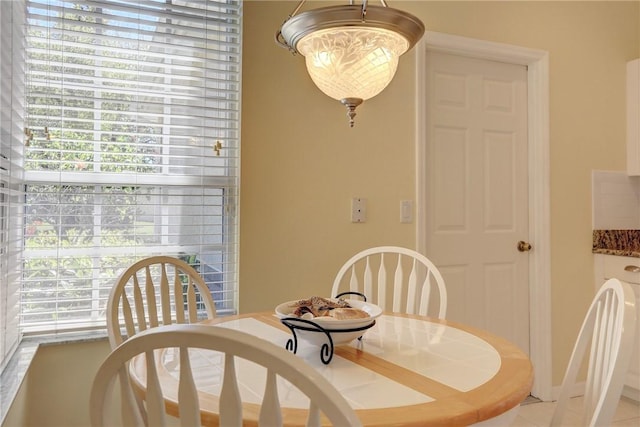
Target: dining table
x,y
406,370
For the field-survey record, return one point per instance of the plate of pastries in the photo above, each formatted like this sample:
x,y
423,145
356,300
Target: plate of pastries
x,y
345,319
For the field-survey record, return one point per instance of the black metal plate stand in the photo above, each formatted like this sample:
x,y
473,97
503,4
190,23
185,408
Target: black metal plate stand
x,y
326,350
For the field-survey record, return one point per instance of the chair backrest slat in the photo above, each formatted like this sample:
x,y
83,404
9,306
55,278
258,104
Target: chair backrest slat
x,y
139,304
165,295
410,293
270,411
382,283
397,285
151,301
353,281
411,290
230,395
187,392
593,378
178,289
314,416
126,312
425,291
368,280
129,412
154,397
192,303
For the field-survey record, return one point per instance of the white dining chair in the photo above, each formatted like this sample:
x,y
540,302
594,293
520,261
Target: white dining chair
x,y
608,333
279,365
158,290
379,274
155,291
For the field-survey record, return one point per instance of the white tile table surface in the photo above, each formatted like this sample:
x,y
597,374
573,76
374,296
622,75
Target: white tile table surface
x,y
407,370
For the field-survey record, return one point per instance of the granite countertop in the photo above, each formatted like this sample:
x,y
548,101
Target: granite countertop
x,y
617,242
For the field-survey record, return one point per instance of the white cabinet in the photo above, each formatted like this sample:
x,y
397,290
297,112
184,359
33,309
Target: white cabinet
x,y
633,117
621,267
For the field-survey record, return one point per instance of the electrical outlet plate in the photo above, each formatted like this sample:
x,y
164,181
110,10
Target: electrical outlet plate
x,y
358,209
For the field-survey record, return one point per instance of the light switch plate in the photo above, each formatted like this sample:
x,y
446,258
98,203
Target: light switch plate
x,y
406,211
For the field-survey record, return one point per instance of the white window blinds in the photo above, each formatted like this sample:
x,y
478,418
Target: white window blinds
x,y
12,20
132,149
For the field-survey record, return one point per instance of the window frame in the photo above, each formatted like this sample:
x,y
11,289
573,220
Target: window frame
x,y
228,183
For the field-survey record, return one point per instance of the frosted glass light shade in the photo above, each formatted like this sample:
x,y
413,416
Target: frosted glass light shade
x,y
352,62
351,51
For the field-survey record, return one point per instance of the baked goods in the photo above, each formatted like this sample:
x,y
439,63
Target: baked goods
x,y
338,309
348,313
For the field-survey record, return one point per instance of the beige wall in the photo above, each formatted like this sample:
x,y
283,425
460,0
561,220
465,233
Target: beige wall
x,y
301,164
55,390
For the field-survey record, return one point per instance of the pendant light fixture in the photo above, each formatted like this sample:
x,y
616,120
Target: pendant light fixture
x,y
351,51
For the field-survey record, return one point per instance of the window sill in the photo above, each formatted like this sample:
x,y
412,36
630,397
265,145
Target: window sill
x,y
13,374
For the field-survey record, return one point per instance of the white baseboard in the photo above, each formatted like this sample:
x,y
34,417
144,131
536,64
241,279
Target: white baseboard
x,y
577,390
631,393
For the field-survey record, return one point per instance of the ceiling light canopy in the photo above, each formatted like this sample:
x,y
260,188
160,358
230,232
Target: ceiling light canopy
x,y
351,51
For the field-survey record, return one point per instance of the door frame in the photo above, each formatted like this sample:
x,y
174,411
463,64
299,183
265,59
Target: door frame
x,y
537,63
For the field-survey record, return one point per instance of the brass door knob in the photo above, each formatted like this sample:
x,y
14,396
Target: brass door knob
x,y
524,246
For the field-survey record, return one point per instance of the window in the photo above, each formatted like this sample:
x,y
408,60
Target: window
x,y
131,149
11,173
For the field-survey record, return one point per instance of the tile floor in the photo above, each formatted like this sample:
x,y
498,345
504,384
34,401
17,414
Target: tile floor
x,y
539,414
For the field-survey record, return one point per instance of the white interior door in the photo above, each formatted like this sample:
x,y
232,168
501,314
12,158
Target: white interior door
x,y
477,190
